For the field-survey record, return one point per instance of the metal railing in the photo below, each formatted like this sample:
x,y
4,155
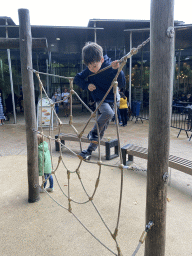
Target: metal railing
x,y
181,117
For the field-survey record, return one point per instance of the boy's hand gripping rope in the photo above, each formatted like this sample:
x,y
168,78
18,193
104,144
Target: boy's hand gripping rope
x,y
123,60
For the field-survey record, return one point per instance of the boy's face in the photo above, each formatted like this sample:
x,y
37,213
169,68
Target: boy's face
x,y
95,66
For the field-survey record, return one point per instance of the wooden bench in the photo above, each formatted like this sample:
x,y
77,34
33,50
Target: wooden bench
x,y
104,142
175,162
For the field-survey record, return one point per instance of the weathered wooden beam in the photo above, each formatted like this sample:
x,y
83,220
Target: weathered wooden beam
x,y
160,99
29,104
13,43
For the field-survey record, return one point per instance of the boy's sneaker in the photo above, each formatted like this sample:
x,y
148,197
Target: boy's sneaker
x,y
85,155
49,189
41,190
93,137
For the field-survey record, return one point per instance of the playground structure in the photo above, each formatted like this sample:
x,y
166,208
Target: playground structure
x,y
159,121
79,137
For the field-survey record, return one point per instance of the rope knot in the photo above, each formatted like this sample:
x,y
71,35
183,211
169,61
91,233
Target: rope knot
x,y
78,174
121,166
134,51
115,234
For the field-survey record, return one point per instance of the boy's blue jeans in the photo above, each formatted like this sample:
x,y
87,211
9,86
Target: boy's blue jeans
x,y
50,177
57,109
107,114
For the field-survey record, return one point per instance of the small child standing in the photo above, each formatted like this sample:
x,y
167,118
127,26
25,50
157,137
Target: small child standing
x,y
123,108
44,163
65,96
98,85
2,117
56,99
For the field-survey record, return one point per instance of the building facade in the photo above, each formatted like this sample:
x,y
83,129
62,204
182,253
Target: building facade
x,y
62,56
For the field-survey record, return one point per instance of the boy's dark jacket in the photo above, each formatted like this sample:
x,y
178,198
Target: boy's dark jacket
x,y
102,81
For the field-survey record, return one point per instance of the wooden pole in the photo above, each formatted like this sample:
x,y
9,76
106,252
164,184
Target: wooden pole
x,y
161,84
29,104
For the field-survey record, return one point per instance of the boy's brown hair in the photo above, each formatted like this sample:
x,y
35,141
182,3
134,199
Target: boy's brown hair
x,y
92,52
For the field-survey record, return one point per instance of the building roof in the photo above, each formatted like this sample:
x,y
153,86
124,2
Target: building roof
x,y
9,21
131,24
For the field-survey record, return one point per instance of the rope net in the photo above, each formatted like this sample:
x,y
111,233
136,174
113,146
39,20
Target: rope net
x,y
79,134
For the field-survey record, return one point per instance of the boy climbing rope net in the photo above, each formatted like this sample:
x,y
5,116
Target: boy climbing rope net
x,y
98,85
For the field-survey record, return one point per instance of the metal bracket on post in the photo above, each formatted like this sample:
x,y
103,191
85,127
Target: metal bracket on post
x,y
170,32
165,176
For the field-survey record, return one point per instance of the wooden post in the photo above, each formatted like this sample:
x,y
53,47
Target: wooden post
x,y
29,104
161,83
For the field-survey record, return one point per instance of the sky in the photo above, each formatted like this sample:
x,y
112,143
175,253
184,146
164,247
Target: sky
x,y
79,12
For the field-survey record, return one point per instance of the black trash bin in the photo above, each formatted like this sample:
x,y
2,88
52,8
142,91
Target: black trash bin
x,y
135,108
